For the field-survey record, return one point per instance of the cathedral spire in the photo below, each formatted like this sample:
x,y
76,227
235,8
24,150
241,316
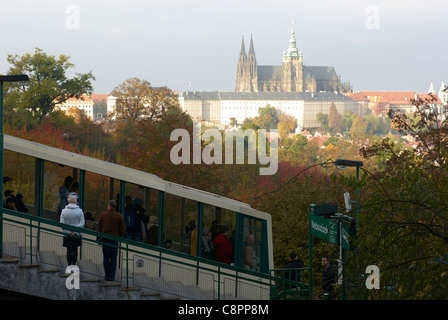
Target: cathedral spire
x,y
292,49
251,47
243,48
431,89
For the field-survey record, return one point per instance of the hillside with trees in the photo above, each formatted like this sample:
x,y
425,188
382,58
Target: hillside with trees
x,y
402,189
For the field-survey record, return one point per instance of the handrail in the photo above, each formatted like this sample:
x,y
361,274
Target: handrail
x,y
203,264
282,288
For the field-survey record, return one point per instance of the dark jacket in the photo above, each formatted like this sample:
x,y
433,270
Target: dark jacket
x,y
328,278
291,274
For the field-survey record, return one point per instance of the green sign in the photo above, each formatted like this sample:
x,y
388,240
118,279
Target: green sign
x,y
344,236
325,229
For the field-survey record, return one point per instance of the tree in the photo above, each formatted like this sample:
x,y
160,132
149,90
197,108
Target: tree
x,y
131,101
49,84
267,118
286,124
150,146
322,119
334,119
348,120
404,217
137,99
359,128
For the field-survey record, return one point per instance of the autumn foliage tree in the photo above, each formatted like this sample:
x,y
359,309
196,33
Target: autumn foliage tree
x,y
334,119
403,215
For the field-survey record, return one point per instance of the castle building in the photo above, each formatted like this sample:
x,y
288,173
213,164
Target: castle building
x,y
220,107
291,76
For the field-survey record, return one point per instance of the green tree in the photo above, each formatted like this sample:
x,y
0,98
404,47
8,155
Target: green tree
x,y
48,84
348,120
249,123
403,220
359,128
322,119
267,118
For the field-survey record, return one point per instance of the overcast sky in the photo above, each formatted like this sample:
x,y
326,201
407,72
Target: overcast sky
x,y
376,45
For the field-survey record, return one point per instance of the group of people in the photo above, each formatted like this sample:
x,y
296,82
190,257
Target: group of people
x,y
217,242
328,273
139,226
110,222
11,201
14,202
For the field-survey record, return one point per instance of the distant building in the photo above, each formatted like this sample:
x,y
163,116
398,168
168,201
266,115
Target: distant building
x,y
380,102
291,76
219,107
84,103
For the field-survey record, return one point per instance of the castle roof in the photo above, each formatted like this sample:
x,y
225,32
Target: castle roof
x,y
266,73
392,97
269,73
266,95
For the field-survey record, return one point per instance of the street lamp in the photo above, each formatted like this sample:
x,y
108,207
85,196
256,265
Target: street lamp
x,y
21,79
342,164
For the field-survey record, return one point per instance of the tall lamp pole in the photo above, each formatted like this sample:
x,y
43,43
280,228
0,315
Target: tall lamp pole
x,y
3,79
342,163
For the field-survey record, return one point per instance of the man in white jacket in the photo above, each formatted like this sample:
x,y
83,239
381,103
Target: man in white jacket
x,y
72,215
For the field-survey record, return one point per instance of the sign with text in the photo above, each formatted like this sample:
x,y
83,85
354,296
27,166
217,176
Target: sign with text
x,y
325,229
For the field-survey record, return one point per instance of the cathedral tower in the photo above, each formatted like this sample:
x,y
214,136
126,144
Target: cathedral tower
x,y
291,76
246,74
292,66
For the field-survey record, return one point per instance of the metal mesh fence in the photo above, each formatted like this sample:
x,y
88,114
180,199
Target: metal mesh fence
x,y
137,265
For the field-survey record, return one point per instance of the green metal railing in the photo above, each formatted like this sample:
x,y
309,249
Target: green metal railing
x,y
282,288
39,240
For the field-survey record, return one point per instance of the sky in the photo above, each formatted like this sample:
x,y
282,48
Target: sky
x,y
385,45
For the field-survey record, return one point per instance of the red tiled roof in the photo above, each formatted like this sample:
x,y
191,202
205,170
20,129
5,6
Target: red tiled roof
x,y
356,96
82,98
389,96
98,97
427,96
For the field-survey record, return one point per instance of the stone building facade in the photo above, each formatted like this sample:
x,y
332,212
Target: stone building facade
x,y
291,76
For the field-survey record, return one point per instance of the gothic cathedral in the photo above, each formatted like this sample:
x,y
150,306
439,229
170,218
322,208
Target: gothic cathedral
x,y
291,76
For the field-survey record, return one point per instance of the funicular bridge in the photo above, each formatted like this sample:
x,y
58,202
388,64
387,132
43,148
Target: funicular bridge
x,y
33,261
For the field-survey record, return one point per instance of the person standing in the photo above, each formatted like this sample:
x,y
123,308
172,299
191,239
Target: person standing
x,y
63,192
328,277
112,223
294,262
72,215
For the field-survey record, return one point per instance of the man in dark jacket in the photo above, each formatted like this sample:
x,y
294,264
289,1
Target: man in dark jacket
x,y
328,277
293,263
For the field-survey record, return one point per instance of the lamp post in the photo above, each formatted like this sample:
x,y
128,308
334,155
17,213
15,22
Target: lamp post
x,y
19,78
342,164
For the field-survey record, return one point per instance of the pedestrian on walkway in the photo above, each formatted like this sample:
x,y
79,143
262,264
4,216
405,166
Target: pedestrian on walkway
x,y
72,215
111,223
